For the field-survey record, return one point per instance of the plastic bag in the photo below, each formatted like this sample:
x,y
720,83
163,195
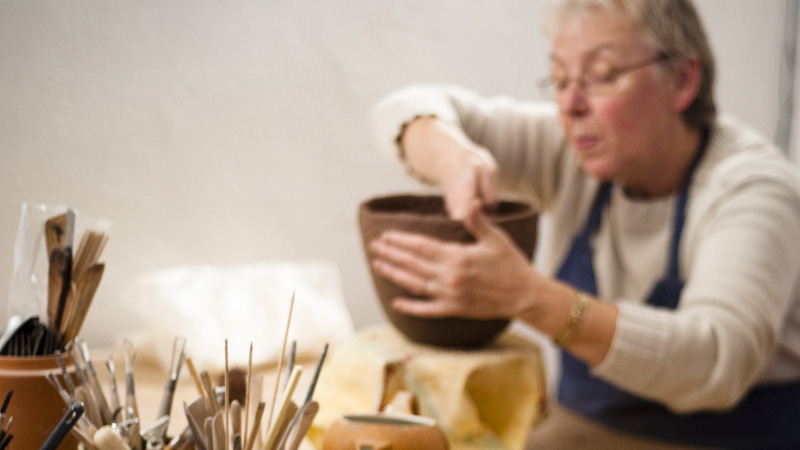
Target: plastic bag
x,y
28,288
243,304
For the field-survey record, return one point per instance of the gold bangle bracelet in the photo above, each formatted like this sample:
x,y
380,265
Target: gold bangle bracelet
x,y
576,316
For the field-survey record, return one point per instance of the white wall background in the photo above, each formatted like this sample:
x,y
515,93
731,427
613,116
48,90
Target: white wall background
x,y
225,133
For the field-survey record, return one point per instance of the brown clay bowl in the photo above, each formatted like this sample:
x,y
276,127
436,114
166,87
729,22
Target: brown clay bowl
x,y
427,215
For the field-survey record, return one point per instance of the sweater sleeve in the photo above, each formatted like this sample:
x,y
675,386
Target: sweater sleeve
x,y
524,137
397,109
741,267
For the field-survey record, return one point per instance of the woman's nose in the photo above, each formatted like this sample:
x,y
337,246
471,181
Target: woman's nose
x,y
573,101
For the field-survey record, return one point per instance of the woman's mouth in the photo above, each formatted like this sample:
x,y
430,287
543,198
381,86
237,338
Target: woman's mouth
x,y
586,143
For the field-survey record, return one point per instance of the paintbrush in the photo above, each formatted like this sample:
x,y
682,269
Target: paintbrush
x,y
5,407
5,441
5,433
4,436
313,385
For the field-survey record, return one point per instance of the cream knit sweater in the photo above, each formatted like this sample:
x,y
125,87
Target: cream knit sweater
x,y
738,322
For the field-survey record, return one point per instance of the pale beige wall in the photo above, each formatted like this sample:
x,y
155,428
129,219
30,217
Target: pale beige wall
x,y
216,132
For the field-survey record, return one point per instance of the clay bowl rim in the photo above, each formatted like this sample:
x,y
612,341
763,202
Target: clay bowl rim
x,y
510,209
391,419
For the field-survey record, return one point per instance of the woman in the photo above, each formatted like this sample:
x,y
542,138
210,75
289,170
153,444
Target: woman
x,y
671,278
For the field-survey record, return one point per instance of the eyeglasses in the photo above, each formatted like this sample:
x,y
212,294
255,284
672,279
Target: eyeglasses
x,y
597,82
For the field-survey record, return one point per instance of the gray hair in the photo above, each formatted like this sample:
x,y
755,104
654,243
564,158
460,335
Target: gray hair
x,y
675,28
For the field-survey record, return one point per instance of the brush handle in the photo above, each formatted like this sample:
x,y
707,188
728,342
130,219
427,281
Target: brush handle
x,y
74,413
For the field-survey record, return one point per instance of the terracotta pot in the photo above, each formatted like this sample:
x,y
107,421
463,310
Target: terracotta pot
x,y
35,405
384,432
396,426
426,215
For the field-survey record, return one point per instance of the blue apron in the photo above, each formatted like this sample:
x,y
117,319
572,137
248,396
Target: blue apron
x,y
767,418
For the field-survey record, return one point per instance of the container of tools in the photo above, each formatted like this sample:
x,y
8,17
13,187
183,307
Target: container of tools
x,y
49,298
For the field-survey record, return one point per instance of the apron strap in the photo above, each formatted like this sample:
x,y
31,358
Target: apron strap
x,y
673,269
577,269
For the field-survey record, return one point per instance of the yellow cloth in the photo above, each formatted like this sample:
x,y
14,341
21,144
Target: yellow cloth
x,y
488,398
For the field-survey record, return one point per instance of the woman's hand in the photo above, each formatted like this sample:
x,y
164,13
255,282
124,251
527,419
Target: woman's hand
x,y
490,278
473,177
440,152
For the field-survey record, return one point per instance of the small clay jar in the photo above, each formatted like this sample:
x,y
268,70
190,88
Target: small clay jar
x,y
384,432
396,427
35,405
426,215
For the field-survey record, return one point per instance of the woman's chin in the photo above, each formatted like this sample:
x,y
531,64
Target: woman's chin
x,y
598,168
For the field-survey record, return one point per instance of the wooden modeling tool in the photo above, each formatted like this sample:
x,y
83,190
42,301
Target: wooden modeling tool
x,y
280,362
275,425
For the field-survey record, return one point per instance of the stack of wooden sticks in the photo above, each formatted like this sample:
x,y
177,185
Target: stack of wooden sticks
x,y
72,281
72,278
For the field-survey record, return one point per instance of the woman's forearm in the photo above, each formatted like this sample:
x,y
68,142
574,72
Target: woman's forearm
x,y
439,153
553,307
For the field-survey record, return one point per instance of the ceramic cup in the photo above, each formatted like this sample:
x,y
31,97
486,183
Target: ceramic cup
x,y
384,432
426,215
35,405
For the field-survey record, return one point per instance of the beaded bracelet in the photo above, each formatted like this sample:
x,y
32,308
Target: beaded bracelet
x,y
576,316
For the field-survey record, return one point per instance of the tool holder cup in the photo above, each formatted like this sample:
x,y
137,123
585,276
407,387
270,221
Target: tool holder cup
x,y
425,214
36,407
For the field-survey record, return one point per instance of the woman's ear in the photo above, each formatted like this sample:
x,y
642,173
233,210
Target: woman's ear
x,y
686,79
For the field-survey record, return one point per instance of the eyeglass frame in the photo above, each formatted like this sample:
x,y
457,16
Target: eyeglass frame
x,y
548,86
